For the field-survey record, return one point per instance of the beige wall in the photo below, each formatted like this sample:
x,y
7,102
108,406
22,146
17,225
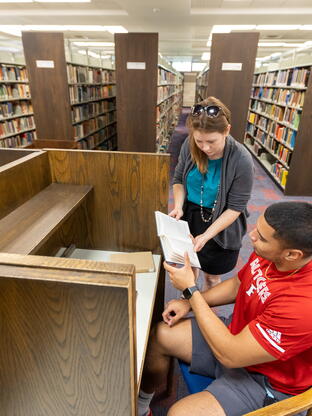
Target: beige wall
x,y
189,88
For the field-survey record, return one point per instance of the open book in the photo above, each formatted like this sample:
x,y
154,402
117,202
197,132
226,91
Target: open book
x,y
175,239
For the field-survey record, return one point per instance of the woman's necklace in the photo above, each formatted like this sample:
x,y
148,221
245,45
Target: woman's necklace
x,y
201,202
269,278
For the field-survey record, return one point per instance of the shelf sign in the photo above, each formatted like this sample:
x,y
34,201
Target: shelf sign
x,y
45,64
231,66
136,65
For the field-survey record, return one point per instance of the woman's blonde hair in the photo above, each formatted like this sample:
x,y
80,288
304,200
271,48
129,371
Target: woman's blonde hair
x,y
206,124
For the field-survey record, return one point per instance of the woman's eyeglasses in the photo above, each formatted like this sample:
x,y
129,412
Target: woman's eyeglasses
x,y
211,110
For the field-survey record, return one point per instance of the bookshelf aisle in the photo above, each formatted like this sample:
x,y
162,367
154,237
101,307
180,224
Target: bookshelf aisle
x,y
92,93
169,104
201,85
274,124
17,126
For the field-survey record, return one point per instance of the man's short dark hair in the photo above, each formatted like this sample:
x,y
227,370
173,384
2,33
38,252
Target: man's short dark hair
x,y
292,222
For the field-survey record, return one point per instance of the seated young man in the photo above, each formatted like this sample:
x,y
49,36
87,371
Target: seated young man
x,y
264,352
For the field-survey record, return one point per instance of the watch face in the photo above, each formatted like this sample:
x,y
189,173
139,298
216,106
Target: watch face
x,y
188,292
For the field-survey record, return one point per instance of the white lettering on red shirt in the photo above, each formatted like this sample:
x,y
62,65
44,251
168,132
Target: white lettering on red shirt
x,y
259,286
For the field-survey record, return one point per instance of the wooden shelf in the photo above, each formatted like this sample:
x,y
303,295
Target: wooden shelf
x,y
93,100
16,116
22,231
15,99
17,133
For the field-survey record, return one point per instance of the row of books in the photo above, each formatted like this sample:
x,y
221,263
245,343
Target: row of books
x,y
12,73
87,127
20,140
281,152
281,133
9,92
16,125
279,96
88,93
15,108
164,92
93,109
99,137
295,77
167,77
287,115
108,144
89,75
165,106
280,172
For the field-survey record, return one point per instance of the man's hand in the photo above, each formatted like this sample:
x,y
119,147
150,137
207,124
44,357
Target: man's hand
x,y
175,310
199,241
176,213
183,277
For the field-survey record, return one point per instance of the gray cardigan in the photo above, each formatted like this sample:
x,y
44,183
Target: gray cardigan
x,y
236,184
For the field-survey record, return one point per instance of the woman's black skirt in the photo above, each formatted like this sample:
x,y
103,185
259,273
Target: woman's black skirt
x,y
213,258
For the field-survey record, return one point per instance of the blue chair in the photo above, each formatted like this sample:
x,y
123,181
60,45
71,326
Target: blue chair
x,y
195,382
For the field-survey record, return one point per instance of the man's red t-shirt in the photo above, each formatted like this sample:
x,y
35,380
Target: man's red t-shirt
x,y
278,311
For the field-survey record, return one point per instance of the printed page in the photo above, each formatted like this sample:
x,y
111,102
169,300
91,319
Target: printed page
x,y
171,227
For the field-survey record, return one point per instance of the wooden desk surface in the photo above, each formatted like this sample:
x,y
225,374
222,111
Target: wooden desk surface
x,y
146,285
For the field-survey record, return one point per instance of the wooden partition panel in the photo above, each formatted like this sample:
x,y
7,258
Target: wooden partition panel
x,y
127,189
48,84
67,337
233,87
22,179
136,90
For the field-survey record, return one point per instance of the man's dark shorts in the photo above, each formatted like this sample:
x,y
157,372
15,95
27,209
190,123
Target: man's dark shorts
x,y
237,390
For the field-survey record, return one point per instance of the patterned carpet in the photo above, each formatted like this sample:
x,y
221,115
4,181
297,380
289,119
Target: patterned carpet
x,y
265,192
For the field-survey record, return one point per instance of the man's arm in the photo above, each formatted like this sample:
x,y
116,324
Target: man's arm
x,y
232,351
222,294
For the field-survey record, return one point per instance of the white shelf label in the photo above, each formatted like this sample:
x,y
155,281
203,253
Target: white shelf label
x,y
231,66
136,65
45,64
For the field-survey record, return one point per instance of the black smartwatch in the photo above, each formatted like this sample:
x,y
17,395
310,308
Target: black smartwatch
x,y
188,292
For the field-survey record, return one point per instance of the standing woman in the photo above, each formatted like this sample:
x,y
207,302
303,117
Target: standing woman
x,y
211,187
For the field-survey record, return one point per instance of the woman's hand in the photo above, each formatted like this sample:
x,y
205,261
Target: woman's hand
x,y
182,277
175,310
176,213
199,241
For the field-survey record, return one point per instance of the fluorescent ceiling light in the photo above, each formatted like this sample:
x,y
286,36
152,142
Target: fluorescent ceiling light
x,y
277,27
82,52
116,29
9,49
17,29
86,43
282,44
45,1
276,54
105,56
305,27
229,28
205,56
198,66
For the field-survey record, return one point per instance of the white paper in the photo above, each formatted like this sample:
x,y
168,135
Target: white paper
x,y
232,66
136,65
175,239
45,64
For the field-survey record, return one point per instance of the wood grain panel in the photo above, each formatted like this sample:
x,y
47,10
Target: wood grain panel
x,y
54,144
136,91
48,86
22,179
128,188
26,228
233,87
299,178
10,155
65,347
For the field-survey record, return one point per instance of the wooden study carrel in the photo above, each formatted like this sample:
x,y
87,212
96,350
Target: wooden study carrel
x,y
74,330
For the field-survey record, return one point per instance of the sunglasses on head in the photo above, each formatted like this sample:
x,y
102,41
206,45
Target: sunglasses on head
x,y
211,110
